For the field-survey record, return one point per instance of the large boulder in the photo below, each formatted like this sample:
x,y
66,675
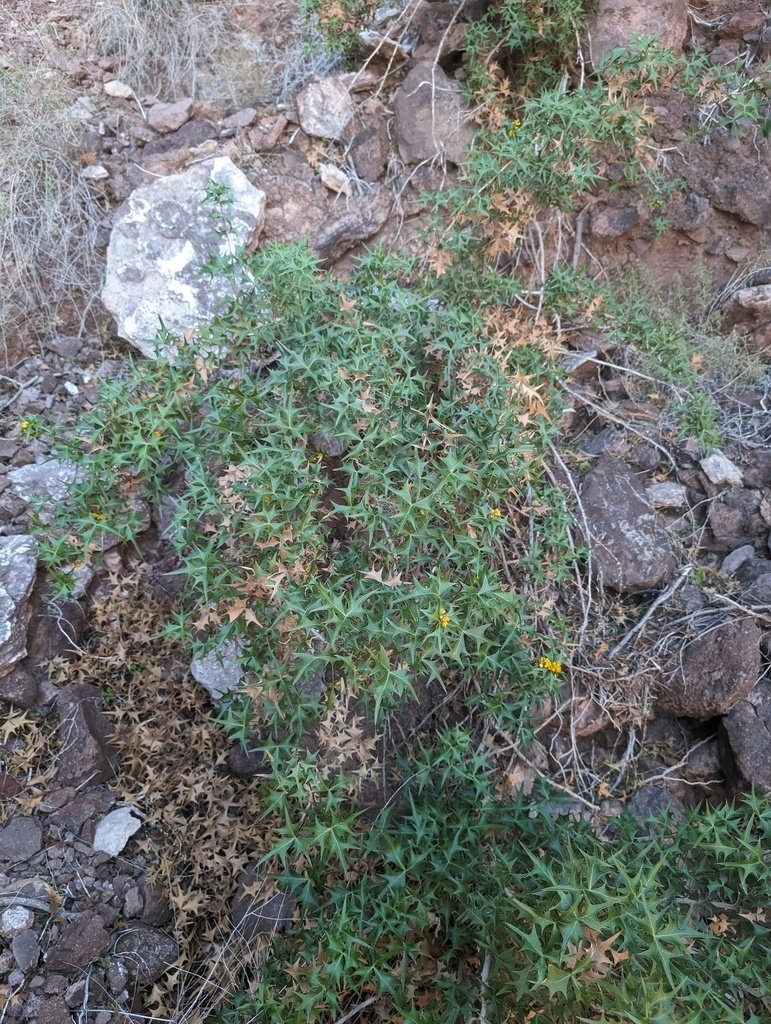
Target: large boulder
x,y
163,235
630,549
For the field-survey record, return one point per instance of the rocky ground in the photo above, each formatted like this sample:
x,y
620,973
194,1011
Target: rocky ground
x,y
128,835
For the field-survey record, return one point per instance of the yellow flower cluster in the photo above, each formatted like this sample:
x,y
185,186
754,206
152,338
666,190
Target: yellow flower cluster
x,y
99,516
550,666
495,513
444,618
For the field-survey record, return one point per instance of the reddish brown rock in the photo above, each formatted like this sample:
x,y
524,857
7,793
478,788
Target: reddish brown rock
x,y
629,544
713,672
86,754
84,939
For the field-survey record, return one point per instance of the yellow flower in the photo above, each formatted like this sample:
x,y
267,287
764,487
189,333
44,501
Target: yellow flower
x,y
25,424
444,618
99,516
550,666
495,513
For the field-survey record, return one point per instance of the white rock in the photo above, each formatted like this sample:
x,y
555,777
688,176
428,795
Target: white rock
x,y
114,831
95,172
18,569
119,90
51,479
667,495
219,671
720,471
335,179
162,237
15,920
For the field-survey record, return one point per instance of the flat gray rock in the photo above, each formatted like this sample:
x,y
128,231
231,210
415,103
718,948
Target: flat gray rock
x,y
21,839
18,569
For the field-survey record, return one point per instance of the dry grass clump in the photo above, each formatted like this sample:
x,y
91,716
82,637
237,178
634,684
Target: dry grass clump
x,y
160,46
48,216
227,52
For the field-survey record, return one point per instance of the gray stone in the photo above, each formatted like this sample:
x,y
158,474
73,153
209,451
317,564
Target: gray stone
x,y
14,920
74,996
146,952
18,569
85,753
629,545
747,728
241,119
325,107
162,237
117,976
713,672
759,592
133,904
431,117
19,688
720,471
115,830
50,480
613,23
82,940
736,559
26,950
654,802
21,839
219,671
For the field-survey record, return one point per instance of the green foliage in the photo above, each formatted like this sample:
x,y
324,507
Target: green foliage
x,y
532,44
462,902
339,21
348,460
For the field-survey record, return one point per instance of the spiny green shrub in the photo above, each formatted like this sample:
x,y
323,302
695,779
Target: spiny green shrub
x,y
345,463
457,903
